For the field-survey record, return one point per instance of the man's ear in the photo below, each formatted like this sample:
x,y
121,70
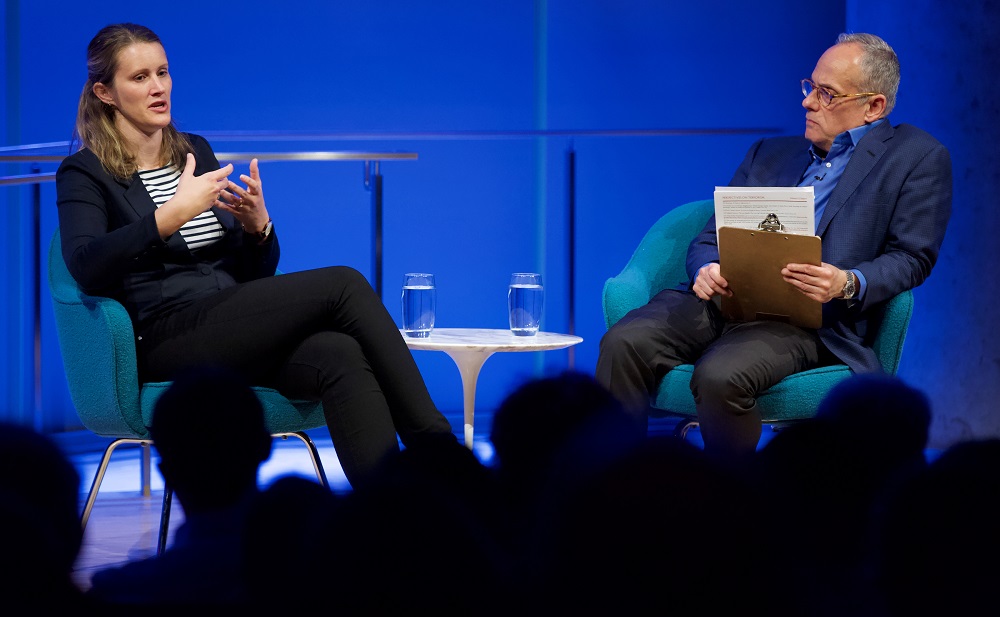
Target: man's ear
x,y
876,108
102,92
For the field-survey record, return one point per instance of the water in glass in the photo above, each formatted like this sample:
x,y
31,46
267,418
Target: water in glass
x,y
418,300
524,302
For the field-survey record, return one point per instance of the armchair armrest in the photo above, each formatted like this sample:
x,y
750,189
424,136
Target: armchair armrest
x,y
658,262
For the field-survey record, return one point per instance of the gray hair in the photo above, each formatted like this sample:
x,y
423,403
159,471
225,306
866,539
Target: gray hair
x,y
879,66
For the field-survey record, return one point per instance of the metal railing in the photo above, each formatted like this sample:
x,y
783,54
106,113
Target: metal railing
x,y
24,154
42,153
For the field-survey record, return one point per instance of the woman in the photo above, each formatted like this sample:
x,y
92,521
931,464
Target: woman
x,y
148,217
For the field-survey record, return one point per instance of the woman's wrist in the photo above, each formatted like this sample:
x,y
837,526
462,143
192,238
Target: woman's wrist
x,y
263,234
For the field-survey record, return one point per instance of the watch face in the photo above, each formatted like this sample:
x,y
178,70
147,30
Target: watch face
x,y
849,286
263,234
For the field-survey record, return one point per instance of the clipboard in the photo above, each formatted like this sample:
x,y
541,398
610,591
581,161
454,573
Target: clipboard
x,y
751,261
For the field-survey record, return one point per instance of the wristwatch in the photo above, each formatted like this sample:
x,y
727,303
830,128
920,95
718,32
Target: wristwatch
x,y
851,286
263,234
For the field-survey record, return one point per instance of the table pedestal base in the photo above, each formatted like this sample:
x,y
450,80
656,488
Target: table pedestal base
x,y
469,348
469,362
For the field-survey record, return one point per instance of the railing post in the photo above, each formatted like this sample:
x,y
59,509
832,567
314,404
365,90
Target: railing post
x,y
36,291
373,182
571,249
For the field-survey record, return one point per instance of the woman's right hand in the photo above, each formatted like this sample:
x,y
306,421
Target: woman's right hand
x,y
195,194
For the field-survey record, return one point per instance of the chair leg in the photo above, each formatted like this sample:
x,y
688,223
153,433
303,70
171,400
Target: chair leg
x,y
161,542
682,428
101,470
313,453
145,470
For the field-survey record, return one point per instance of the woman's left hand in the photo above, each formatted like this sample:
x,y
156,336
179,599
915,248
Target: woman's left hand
x,y
246,204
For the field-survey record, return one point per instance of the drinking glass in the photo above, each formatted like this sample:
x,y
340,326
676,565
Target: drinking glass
x,y
419,301
524,303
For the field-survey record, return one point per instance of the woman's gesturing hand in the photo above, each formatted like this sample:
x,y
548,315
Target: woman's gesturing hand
x,y
247,204
194,195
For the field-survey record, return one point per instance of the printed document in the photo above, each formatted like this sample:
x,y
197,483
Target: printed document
x,y
788,209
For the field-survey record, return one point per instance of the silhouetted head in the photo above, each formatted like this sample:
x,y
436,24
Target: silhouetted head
x,y
39,515
894,417
939,540
209,430
663,525
553,416
290,540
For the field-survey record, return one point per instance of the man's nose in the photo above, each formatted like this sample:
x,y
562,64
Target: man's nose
x,y
811,100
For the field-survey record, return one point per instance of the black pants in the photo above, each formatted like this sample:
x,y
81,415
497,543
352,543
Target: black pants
x,y
321,335
732,363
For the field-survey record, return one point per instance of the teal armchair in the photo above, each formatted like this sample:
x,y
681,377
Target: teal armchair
x,y
659,262
97,345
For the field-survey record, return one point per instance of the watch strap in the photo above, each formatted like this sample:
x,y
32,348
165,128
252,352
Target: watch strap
x,y
850,286
263,234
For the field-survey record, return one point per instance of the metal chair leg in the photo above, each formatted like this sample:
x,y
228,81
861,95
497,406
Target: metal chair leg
x,y
101,470
161,542
145,470
682,428
313,453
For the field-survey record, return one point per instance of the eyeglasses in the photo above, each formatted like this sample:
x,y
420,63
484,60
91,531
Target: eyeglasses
x,y
825,96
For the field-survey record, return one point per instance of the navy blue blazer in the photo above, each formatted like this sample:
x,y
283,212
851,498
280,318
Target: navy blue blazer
x,y
112,246
886,217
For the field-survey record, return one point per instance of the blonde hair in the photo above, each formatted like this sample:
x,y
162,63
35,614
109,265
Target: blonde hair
x,y
95,119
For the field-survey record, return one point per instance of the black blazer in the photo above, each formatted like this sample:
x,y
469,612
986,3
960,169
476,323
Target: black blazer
x,y
112,247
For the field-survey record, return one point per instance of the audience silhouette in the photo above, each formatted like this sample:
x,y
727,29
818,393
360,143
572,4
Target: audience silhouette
x,y
551,432
286,539
426,536
827,478
662,529
39,497
578,512
938,541
209,431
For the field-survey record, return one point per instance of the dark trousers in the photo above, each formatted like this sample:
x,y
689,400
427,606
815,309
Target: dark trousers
x,y
321,335
732,363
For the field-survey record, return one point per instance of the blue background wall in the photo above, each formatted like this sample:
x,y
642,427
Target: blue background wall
x,y
657,101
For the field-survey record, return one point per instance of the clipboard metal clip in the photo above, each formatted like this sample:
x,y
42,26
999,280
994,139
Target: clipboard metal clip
x,y
771,223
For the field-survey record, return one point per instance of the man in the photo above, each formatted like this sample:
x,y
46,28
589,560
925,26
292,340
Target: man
x,y
883,200
209,430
